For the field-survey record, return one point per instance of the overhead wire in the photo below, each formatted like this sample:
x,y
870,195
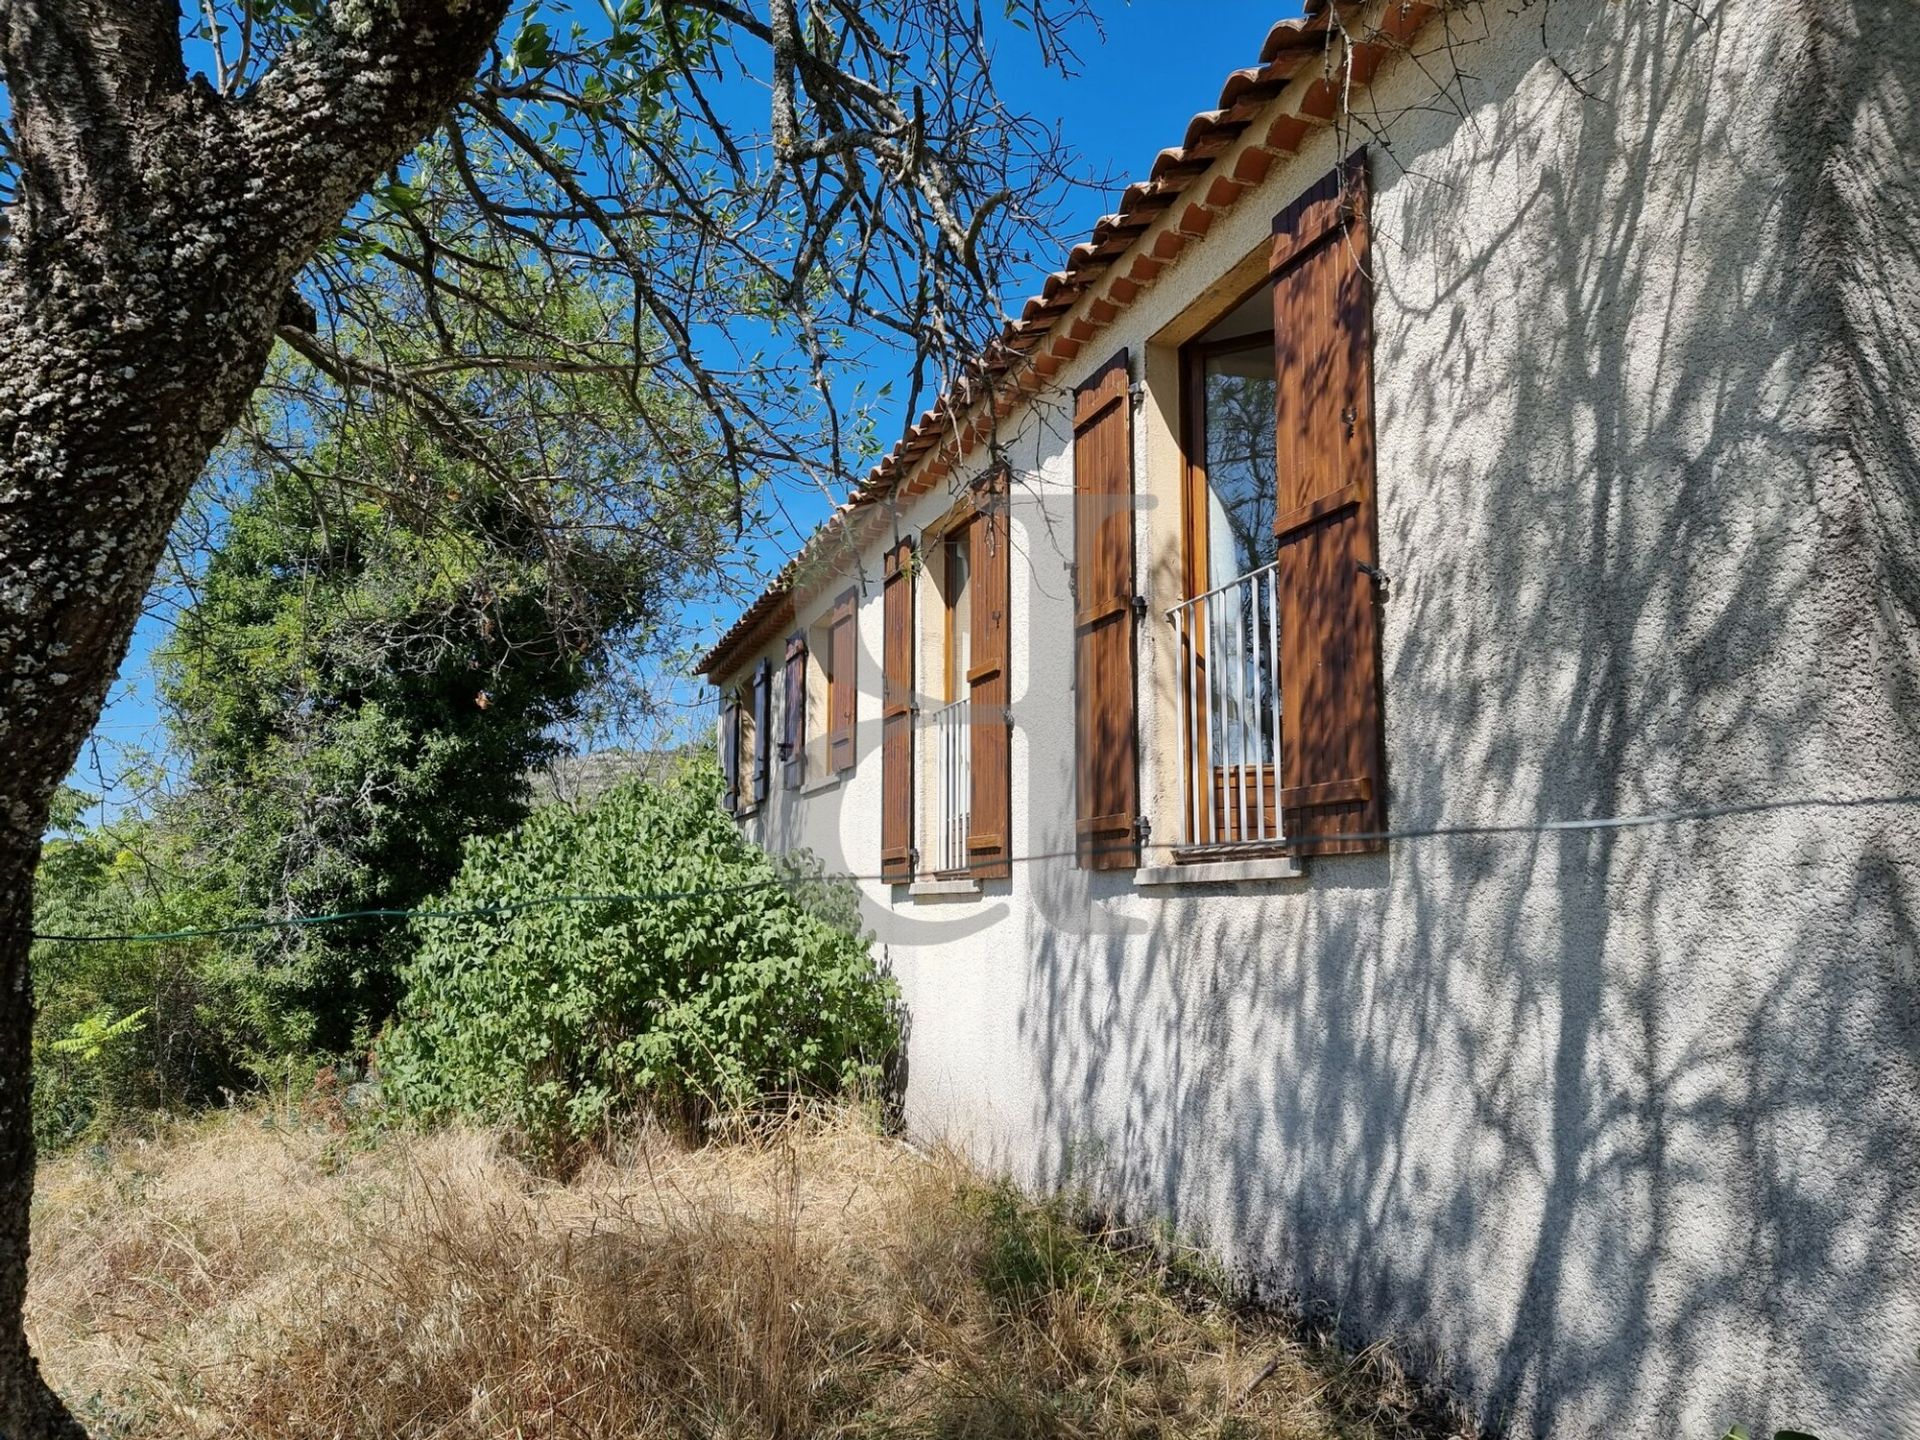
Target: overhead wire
x,y
649,897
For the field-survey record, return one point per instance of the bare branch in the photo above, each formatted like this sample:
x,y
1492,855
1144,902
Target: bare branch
x,y
216,41
453,430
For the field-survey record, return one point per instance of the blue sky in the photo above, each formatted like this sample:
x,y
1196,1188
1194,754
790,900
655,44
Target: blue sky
x,y
1158,63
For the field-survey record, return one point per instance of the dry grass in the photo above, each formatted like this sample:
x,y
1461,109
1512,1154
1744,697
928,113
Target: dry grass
x,y
259,1275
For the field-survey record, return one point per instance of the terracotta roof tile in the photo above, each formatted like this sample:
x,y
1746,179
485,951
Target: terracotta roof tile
x,y
1287,53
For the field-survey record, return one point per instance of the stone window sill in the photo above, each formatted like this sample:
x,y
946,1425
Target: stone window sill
x,y
1220,872
954,888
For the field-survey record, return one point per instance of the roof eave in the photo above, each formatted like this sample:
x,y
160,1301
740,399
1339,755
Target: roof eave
x,y
1265,112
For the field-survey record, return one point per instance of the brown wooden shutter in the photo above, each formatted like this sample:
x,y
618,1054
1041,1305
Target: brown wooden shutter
x,y
842,686
896,715
1106,781
990,720
1333,780
762,729
730,753
793,713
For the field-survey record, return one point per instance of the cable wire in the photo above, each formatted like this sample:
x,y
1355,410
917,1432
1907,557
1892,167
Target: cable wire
x,y
649,897
243,927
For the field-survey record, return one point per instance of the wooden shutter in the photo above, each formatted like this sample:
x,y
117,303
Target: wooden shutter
x,y
842,689
896,715
1333,781
1106,780
730,753
990,720
793,713
762,729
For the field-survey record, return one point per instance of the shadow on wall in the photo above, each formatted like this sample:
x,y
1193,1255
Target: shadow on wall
x,y
1624,1124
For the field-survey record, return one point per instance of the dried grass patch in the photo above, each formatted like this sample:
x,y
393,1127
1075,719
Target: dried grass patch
x,y
256,1275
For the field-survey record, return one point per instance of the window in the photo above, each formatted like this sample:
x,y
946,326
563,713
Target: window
x,y
956,601
1228,628
949,804
749,744
811,675
1279,706
967,813
817,709
746,724
1233,410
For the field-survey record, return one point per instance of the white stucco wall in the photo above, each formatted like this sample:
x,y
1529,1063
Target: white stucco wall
x,y
1621,1128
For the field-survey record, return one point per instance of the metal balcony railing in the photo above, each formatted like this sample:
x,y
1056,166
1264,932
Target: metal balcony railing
x,y
1229,641
951,736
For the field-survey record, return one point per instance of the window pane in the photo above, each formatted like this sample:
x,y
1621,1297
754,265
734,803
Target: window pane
x,y
1237,639
1240,405
819,705
749,742
959,616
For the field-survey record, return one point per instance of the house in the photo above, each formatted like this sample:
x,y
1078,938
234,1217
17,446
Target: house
x,y
1375,734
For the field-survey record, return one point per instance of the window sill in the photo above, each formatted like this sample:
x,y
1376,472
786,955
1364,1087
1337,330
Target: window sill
x,y
956,888
1221,872
820,783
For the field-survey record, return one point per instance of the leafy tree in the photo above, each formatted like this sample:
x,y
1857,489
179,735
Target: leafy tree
x,y
124,1027
741,979
350,712
384,642
162,231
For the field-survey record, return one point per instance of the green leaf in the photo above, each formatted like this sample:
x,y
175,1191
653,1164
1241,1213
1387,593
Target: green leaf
x,y
532,48
401,199
89,1038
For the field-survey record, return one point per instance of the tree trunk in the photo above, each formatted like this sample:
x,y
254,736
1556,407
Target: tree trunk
x,y
158,231
100,440
27,1406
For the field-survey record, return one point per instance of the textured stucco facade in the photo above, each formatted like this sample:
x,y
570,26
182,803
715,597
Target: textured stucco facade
x,y
1619,1128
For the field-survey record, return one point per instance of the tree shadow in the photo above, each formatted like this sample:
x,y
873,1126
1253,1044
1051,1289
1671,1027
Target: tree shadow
x,y
1624,1124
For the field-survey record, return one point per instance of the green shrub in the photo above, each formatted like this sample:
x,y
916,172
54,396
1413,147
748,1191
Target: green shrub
x,y
746,979
123,1028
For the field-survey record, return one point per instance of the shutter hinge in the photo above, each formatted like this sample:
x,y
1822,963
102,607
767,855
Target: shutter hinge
x,y
1139,607
1142,827
913,857
1137,393
1374,573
